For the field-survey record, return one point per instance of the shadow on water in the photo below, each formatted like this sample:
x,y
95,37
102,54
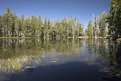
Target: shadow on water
x,y
113,71
71,71
59,60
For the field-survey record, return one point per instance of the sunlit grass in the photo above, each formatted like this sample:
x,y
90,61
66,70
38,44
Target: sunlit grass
x,y
13,64
119,40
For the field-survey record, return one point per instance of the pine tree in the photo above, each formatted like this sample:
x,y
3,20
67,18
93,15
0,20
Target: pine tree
x,y
39,26
114,18
64,24
90,29
22,27
28,28
8,23
1,26
34,26
103,24
71,28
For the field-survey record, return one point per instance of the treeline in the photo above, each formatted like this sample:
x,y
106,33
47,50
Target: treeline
x,y
12,25
97,27
114,18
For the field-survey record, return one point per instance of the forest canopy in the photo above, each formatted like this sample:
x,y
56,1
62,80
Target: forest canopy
x,y
106,24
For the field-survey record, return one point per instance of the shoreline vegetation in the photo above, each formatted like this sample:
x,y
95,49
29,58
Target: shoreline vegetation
x,y
103,26
67,37
119,40
107,25
13,26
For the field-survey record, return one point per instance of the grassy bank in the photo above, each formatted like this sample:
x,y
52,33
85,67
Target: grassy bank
x,y
17,37
119,40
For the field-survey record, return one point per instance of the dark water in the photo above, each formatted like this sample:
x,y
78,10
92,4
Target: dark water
x,y
59,60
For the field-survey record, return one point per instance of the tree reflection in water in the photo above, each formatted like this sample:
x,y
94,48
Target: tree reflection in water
x,y
17,55
113,72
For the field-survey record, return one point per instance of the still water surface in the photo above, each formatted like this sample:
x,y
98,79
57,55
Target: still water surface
x,y
54,60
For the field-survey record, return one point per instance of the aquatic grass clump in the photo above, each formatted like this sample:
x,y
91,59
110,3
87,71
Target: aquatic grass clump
x,y
119,40
13,64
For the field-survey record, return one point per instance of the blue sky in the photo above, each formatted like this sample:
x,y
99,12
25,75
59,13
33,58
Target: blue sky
x,y
81,9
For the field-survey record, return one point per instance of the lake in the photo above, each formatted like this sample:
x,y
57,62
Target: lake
x,y
32,59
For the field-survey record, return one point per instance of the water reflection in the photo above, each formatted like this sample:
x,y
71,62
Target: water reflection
x,y
113,71
34,57
16,53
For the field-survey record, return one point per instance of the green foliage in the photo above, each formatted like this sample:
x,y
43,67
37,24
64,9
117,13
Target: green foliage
x,y
103,24
13,26
119,40
1,26
95,27
64,24
114,18
90,29
8,23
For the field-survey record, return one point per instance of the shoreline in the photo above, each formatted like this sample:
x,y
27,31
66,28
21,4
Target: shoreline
x,y
67,37
17,37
